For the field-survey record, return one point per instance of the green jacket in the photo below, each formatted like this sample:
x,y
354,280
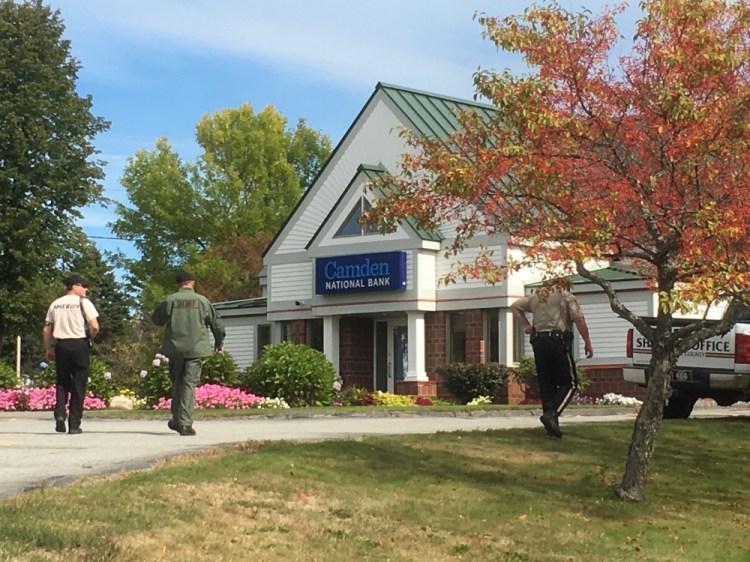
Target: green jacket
x,y
188,317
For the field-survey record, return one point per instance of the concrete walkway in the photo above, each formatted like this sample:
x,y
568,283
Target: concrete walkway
x,y
32,455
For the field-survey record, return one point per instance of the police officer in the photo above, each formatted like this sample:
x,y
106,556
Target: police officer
x,y
72,321
188,317
554,311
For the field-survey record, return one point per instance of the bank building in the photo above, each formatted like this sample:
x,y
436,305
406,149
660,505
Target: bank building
x,y
373,303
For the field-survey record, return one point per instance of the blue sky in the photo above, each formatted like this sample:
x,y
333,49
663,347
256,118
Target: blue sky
x,y
155,67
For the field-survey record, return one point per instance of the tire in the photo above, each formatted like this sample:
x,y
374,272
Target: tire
x,y
679,407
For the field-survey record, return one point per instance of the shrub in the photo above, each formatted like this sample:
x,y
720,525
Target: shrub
x,y
8,378
525,373
46,376
220,369
302,376
100,383
467,382
352,396
155,382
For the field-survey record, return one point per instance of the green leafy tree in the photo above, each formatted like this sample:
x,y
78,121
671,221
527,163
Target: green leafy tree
x,y
47,169
112,302
163,219
238,192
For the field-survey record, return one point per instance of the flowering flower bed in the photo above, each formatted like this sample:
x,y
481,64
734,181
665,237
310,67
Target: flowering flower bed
x,y
209,396
379,398
37,399
619,400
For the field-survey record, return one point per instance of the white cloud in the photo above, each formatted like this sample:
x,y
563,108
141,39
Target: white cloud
x,y
355,43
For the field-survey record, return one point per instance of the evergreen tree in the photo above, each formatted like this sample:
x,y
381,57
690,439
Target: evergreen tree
x,y
47,173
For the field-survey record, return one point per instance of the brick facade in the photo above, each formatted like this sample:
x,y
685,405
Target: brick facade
x,y
605,379
299,331
357,351
474,323
435,343
356,357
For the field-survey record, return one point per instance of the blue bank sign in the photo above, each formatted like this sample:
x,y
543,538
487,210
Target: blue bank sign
x,y
384,271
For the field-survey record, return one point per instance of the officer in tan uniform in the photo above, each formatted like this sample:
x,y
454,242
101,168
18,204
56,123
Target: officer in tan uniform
x,y
188,318
72,321
554,311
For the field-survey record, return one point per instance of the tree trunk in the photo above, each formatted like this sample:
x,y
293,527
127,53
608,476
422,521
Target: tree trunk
x,y
2,332
644,433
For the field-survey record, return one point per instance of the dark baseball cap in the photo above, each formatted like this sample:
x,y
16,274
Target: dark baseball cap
x,y
183,276
76,279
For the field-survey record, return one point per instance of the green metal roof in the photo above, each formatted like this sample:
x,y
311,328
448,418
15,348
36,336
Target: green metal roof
x,y
432,114
259,302
611,274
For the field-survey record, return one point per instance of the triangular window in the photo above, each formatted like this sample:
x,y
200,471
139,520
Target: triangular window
x,y
352,226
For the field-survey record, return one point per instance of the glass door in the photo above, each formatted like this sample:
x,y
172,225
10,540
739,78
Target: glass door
x,y
391,353
399,349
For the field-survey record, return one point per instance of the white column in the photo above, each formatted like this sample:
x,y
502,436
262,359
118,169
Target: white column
x,y
417,360
276,332
506,334
331,340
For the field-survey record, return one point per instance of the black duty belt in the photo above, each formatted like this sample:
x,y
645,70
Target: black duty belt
x,y
555,334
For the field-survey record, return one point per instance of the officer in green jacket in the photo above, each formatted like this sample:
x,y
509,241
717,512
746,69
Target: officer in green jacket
x,y
188,317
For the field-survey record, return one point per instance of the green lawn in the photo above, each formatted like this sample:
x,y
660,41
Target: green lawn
x,y
512,495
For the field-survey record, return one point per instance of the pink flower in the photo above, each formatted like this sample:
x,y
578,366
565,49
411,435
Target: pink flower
x,y
210,396
39,399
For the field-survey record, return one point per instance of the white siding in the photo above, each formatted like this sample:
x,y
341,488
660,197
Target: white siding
x,y
427,282
240,341
468,255
375,141
290,282
607,330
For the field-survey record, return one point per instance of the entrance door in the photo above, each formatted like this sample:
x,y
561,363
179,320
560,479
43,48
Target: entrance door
x,y
400,354
391,353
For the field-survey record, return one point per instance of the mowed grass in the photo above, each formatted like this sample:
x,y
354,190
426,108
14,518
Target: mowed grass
x,y
512,495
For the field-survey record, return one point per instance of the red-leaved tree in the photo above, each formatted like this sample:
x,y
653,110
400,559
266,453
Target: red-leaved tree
x,y
643,158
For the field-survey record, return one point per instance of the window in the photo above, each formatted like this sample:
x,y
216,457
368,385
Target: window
x,y
519,340
286,331
491,336
456,337
315,333
263,339
352,226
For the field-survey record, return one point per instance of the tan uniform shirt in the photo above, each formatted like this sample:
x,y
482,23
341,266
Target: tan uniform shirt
x,y
555,312
65,316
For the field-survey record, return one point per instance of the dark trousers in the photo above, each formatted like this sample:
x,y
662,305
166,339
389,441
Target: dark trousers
x,y
185,374
555,371
72,364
